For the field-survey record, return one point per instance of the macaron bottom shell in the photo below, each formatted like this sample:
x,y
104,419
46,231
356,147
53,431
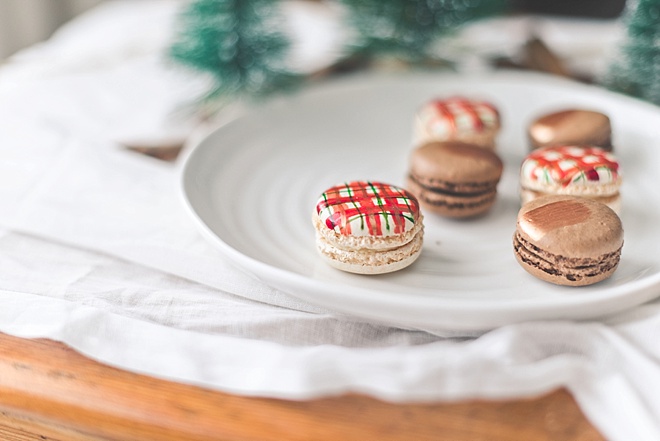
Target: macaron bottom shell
x,y
562,270
367,261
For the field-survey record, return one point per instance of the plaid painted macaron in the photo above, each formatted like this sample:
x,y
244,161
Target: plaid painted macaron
x,y
574,170
368,227
457,119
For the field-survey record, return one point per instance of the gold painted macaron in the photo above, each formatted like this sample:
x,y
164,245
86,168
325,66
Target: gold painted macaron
x,y
568,240
368,227
454,179
457,119
583,171
573,127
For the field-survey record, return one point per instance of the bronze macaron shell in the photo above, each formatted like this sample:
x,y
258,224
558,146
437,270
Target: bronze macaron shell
x,y
571,126
568,240
454,179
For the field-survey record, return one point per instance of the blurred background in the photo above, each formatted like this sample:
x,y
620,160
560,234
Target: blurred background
x,y
25,22
284,43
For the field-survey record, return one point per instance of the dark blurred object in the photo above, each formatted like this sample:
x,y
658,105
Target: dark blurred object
x,y
535,55
574,8
166,152
538,56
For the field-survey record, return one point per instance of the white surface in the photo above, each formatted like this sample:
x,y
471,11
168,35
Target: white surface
x,y
98,252
252,185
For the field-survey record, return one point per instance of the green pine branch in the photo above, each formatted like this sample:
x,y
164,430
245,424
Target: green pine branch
x,y
637,72
238,43
407,29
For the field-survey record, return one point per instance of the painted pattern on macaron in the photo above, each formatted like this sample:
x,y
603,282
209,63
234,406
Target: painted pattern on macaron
x,y
568,165
367,208
447,117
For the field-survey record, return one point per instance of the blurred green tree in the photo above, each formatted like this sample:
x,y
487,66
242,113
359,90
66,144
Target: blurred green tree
x,y
407,29
241,45
637,72
237,42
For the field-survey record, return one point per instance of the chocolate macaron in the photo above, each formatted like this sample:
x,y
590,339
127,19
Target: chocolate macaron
x,y
454,179
457,119
583,171
368,227
571,126
567,240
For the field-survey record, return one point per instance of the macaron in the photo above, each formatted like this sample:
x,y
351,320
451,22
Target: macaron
x,y
454,179
568,240
368,227
571,127
457,119
583,171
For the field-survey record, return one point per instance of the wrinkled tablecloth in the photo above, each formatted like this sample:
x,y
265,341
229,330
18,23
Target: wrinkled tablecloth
x,y
97,251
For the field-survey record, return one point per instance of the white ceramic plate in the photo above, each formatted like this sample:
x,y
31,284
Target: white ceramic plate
x,y
252,184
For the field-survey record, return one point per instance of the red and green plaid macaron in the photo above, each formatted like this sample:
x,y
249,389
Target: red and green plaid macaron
x,y
368,208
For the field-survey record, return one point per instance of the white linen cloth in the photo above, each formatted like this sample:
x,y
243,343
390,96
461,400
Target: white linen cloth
x,y
97,252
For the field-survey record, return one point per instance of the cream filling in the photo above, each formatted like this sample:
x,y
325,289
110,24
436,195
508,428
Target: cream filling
x,y
370,257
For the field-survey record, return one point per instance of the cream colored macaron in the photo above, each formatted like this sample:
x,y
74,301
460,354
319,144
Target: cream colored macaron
x,y
457,119
367,227
583,171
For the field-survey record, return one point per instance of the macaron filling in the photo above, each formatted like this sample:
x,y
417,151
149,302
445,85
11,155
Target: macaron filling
x,y
465,189
370,257
455,196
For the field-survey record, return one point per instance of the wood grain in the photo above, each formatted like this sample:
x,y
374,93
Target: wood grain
x,y
50,392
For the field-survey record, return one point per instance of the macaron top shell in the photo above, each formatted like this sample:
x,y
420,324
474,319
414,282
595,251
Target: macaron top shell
x,y
366,208
568,168
455,162
570,226
446,117
572,126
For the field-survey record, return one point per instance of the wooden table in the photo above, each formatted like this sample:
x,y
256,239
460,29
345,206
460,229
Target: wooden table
x,y
49,392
